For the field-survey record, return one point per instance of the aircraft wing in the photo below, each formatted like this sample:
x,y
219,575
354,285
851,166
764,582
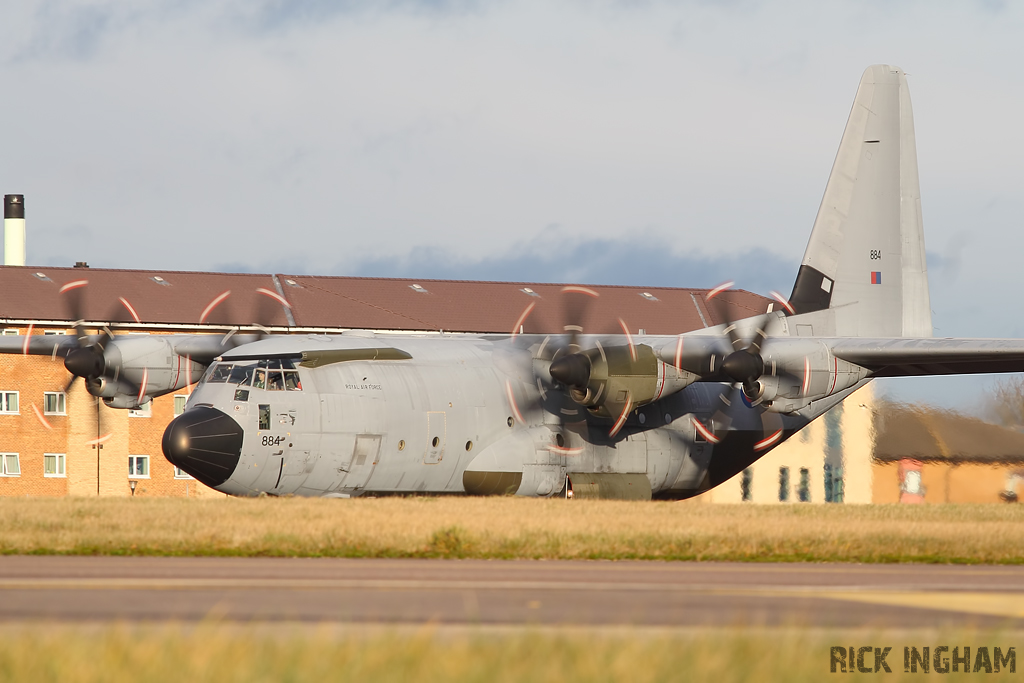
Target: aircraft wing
x,y
202,348
38,344
908,357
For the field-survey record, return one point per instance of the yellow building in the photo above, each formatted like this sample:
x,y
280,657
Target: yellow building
x,y
870,451
828,461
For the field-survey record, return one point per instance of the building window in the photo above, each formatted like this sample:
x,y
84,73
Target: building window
x,y
54,331
783,484
138,466
834,434
54,403
53,465
11,331
9,465
179,404
181,474
145,410
9,402
912,489
833,484
746,484
804,492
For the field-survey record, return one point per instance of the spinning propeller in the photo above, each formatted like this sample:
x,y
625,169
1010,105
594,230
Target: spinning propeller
x,y
117,369
743,365
606,380
571,427
88,359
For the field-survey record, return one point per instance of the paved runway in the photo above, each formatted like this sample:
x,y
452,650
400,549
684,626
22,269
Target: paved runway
x,y
509,592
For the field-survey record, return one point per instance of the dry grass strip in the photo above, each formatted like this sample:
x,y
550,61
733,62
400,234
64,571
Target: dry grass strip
x,y
513,528
222,653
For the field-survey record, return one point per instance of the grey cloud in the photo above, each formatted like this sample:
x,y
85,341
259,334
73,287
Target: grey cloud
x,y
274,15
993,6
65,33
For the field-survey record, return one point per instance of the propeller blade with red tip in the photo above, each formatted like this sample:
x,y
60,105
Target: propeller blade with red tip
x,y
576,301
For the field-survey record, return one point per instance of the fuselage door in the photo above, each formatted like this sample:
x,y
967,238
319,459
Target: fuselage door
x,y
365,456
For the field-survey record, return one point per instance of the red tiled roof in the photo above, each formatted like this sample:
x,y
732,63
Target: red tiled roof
x,y
180,297
174,298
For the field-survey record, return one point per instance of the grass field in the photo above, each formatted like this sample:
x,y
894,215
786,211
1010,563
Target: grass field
x,y
225,653
513,528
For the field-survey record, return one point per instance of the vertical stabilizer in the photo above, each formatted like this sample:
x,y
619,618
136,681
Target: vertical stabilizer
x,y
865,261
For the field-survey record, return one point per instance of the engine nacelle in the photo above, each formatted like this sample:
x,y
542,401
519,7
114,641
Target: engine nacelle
x,y
139,368
107,388
124,402
798,372
621,376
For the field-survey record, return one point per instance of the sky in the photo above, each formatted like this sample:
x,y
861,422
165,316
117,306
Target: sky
x,y
611,142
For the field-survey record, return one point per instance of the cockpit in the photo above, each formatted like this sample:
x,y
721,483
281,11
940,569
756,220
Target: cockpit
x,y
271,375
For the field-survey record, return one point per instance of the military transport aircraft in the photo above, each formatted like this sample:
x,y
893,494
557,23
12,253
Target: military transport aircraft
x,y
633,416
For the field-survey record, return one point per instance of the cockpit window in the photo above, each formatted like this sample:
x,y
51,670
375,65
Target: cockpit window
x,y
241,375
220,373
271,375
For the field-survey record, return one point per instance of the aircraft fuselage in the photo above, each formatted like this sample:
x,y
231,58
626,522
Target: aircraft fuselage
x,y
461,414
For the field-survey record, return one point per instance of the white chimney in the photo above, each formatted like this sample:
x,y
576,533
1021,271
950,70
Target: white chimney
x,y
14,230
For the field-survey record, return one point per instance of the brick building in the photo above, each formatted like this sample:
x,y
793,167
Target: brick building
x,y
924,455
50,440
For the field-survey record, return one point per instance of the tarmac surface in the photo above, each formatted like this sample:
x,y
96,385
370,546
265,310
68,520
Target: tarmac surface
x,y
521,592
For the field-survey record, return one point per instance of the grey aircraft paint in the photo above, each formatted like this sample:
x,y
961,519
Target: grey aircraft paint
x,y
648,416
467,404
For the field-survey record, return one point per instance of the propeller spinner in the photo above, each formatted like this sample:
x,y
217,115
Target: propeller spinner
x,y
744,365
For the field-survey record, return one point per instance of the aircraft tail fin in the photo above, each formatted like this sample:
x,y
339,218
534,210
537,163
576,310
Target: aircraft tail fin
x,y
865,261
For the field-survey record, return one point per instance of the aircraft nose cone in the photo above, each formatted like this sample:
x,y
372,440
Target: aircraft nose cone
x,y
206,443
